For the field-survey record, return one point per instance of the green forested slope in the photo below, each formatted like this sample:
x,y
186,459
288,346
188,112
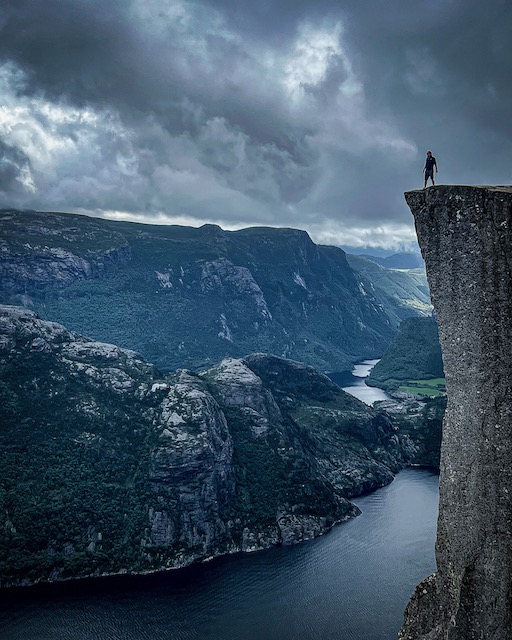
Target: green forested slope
x,y
408,287
107,465
414,354
187,297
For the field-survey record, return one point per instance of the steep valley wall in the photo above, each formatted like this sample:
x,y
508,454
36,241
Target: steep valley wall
x,y
465,234
108,466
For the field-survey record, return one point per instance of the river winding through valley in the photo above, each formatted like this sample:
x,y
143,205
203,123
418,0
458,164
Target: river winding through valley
x,y
353,382
351,584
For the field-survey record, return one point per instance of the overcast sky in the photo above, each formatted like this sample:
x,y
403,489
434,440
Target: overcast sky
x,y
313,114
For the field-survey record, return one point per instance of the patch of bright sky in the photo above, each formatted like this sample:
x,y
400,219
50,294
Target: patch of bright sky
x,y
55,137
195,22
388,236
314,52
42,143
344,125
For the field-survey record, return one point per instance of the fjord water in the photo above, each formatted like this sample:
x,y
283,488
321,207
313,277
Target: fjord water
x,y
350,584
353,382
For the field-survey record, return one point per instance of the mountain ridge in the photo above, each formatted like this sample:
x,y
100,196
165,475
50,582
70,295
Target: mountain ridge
x,y
187,297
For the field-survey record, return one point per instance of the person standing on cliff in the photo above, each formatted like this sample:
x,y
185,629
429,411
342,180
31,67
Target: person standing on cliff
x,y
430,163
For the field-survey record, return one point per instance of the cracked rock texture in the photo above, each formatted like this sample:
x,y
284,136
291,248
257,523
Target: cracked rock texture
x,y
465,234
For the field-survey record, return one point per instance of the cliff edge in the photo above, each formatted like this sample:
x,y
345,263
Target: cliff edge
x,y
465,235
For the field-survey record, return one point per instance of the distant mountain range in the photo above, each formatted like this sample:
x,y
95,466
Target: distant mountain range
x,y
400,261
188,297
409,287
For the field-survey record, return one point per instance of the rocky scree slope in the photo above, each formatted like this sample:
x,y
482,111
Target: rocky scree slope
x,y
108,465
187,297
465,234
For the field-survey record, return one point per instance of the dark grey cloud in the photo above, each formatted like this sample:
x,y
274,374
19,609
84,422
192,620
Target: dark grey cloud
x,y
311,114
13,166
443,71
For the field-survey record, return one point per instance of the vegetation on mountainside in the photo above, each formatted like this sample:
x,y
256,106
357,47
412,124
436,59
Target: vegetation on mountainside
x,y
430,388
187,297
266,479
409,287
81,235
413,355
94,442
425,430
63,468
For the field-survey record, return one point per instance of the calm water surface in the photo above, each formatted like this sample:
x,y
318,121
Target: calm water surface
x,y
350,584
353,382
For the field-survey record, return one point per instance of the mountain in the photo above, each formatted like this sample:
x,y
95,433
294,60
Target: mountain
x,y
188,297
379,252
422,422
366,251
408,289
403,260
107,465
465,233
414,354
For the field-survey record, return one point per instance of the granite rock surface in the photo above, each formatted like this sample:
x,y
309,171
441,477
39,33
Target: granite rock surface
x,y
109,466
465,234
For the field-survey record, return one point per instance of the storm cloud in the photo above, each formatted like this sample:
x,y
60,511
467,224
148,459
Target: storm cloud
x,y
312,115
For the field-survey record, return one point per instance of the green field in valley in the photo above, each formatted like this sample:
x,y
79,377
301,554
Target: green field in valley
x,y
431,388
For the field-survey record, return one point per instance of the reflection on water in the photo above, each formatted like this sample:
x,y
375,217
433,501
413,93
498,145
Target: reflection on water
x,y
362,370
353,382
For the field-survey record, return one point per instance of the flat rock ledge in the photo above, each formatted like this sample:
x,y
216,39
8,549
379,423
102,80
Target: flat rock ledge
x,y
465,235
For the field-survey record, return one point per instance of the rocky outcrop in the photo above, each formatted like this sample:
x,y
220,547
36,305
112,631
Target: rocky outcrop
x,y
420,419
108,466
465,234
44,251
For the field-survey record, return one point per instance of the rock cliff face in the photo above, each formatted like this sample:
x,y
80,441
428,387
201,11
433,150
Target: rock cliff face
x,y
38,253
108,466
186,297
465,234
